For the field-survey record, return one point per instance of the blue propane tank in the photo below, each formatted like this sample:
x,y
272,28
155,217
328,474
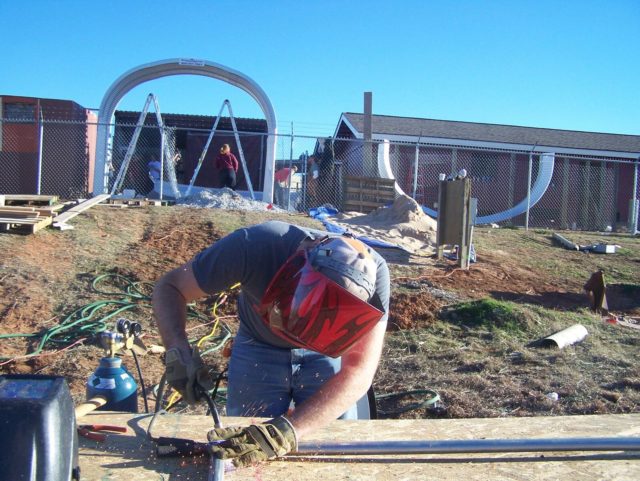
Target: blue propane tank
x,y
112,381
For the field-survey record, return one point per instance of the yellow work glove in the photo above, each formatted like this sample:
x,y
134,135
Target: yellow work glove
x,y
187,376
250,445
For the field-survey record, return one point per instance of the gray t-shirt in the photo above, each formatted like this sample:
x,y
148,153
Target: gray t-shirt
x,y
252,256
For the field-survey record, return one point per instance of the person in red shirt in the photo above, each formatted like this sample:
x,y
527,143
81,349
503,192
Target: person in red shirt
x,y
282,180
227,164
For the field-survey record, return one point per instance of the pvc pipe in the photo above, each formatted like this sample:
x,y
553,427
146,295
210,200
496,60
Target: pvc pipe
x,y
566,337
470,446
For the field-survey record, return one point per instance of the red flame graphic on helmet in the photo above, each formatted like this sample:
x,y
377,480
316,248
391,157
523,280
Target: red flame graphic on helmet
x,y
309,310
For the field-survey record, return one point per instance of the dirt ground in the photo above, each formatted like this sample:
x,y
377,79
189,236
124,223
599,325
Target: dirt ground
x,y
479,365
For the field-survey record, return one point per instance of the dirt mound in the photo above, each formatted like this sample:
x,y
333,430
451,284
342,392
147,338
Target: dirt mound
x,y
403,223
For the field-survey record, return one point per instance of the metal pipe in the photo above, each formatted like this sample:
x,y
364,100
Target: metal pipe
x,y
634,198
469,446
40,138
415,167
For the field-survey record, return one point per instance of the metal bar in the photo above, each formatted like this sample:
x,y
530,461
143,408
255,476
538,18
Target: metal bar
x,y
290,178
526,216
634,197
415,168
470,446
40,138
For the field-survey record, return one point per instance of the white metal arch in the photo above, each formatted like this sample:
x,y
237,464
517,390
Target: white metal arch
x,y
180,66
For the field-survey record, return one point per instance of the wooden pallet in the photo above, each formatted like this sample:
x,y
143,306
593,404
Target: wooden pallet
x,y
364,194
27,224
26,199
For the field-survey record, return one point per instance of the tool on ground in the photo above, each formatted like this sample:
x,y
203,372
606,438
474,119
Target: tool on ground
x,y
37,415
178,447
95,431
111,380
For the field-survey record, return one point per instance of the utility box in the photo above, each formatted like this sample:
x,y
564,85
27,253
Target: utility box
x,y
454,218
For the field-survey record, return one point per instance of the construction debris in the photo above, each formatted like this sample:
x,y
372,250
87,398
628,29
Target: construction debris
x,y
60,220
596,289
566,337
600,248
565,242
27,214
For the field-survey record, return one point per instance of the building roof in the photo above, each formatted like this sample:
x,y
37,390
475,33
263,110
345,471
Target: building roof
x,y
447,131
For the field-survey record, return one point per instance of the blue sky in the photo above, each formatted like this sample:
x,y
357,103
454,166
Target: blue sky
x,y
567,65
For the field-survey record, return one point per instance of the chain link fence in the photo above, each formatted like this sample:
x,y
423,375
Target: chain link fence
x,y
512,187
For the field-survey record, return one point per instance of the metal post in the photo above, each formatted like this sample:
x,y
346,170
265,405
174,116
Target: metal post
x,y
470,446
162,141
40,138
305,180
526,217
290,164
635,199
415,169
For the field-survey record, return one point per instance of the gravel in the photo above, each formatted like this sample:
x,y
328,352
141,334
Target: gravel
x,y
226,198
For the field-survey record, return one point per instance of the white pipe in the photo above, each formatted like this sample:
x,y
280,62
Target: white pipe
x,y
566,337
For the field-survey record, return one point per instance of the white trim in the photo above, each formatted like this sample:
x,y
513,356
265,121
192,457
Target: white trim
x,y
179,66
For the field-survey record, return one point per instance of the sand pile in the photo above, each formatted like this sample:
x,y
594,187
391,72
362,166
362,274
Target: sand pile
x,y
403,223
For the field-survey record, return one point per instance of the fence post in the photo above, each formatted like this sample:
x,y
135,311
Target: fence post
x,y
526,217
635,199
40,138
415,169
290,174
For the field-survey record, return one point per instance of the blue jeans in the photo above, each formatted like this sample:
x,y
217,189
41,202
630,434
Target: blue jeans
x,y
264,380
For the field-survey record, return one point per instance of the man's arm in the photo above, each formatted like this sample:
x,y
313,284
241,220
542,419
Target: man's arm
x,y
170,297
339,393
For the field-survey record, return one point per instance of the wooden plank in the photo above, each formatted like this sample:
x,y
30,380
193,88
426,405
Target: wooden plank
x,y
78,209
42,210
20,220
131,456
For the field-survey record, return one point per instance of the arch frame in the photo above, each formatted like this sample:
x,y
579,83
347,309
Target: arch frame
x,y
171,67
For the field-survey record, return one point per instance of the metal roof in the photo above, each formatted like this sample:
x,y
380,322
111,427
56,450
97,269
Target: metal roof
x,y
396,127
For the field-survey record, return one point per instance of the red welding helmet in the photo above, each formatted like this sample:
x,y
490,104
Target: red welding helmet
x,y
306,304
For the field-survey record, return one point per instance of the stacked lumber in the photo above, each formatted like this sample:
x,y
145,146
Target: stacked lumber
x,y
27,213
